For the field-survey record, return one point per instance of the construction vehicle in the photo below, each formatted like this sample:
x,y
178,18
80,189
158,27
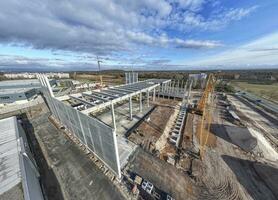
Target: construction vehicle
x,y
204,108
205,96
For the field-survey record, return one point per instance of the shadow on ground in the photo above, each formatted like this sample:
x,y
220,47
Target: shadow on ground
x,y
220,131
239,136
50,184
259,179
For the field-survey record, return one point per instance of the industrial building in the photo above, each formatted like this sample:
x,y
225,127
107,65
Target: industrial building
x,y
19,177
30,75
19,91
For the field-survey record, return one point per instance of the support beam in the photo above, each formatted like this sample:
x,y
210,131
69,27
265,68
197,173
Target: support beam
x,y
95,97
140,101
82,101
153,94
48,86
169,90
108,103
128,91
189,91
113,116
137,85
114,93
148,98
104,94
130,108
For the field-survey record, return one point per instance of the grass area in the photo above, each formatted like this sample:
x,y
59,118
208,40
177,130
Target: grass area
x,y
106,79
267,91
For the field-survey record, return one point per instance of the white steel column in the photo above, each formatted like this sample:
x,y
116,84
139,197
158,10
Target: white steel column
x,y
140,101
189,91
148,98
169,89
130,107
153,94
163,89
113,116
117,154
49,87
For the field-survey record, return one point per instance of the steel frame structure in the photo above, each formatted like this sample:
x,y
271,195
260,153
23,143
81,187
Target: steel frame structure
x,y
97,136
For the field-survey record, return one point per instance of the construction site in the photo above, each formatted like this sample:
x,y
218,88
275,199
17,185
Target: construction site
x,y
149,139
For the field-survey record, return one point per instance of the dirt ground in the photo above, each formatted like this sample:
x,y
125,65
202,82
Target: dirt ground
x,y
149,131
163,175
228,172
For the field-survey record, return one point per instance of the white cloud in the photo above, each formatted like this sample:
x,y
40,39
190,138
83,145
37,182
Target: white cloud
x,y
192,20
164,40
193,5
262,51
107,26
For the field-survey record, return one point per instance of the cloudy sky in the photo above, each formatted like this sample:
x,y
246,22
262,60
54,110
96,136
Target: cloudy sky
x,y
138,34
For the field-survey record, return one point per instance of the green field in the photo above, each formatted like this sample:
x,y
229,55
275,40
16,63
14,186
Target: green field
x,y
267,91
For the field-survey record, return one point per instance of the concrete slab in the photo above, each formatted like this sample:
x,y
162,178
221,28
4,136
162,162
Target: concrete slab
x,y
123,122
126,148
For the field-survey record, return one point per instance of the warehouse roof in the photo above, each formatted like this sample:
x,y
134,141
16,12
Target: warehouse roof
x,y
9,148
25,83
17,166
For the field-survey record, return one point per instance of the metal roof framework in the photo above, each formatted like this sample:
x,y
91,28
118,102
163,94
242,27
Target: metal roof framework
x,y
116,94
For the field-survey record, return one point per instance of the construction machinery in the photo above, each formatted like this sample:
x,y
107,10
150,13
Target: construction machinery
x,y
205,109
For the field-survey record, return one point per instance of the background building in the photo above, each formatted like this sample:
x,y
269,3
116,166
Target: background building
x,y
19,91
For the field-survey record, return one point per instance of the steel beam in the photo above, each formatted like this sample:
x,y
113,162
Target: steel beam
x,y
82,101
140,102
114,93
108,103
124,90
113,116
148,98
130,88
130,108
118,91
95,97
103,94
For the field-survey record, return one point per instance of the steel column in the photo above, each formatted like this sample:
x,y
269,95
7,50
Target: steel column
x,y
148,98
113,116
140,101
130,108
